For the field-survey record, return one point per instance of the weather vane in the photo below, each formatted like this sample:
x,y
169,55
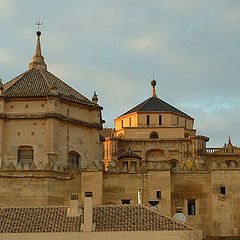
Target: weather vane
x,y
153,75
38,24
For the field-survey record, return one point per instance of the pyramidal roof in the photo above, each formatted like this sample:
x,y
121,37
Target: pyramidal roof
x,y
39,82
155,104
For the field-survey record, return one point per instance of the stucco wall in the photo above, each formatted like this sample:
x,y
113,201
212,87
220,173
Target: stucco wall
x,y
196,186
153,235
225,208
120,186
140,120
51,138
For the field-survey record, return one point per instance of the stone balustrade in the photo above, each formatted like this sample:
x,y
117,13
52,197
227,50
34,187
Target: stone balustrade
x,y
223,151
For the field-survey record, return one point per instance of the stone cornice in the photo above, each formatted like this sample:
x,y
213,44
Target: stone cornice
x,y
57,116
37,174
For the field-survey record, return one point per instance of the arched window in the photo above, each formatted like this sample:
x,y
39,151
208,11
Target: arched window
x,y
74,159
154,135
187,135
25,154
121,135
230,163
173,163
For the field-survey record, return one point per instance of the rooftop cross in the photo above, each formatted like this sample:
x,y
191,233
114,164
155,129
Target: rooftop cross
x,y
38,24
153,75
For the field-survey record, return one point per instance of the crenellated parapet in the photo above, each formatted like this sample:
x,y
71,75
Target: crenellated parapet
x,y
229,164
41,166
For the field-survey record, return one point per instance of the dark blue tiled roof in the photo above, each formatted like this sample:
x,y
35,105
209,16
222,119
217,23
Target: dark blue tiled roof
x,y
155,104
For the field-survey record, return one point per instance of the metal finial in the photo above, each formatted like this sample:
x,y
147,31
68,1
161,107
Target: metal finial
x,y
154,83
229,141
38,59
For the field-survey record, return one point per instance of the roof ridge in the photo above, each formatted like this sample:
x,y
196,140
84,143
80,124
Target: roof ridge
x,y
125,205
144,102
68,85
45,79
42,82
155,104
35,207
166,216
163,103
172,106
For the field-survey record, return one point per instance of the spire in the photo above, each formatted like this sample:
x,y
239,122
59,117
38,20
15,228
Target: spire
x,y
229,141
153,83
38,59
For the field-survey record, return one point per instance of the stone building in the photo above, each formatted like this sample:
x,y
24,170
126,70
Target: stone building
x,y
48,132
88,222
51,146
154,148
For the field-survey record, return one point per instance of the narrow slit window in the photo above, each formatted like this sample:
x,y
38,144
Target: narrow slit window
x,y
160,120
130,122
122,123
191,207
158,194
133,166
177,121
223,190
148,120
125,165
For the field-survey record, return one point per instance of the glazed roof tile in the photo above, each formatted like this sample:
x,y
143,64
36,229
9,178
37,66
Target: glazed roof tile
x,y
105,218
39,83
155,104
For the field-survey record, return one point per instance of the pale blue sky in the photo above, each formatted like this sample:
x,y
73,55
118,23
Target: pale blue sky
x,y
114,46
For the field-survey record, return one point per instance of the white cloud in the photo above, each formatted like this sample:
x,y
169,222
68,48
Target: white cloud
x,y
6,57
147,44
112,87
231,19
158,46
6,8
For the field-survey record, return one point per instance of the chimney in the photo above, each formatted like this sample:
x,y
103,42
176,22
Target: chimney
x,y
140,196
153,203
88,212
74,210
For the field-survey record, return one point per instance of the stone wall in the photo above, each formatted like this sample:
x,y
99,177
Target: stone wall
x,y
47,188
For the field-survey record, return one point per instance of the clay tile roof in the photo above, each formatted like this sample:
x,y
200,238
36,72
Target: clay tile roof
x,y
134,218
40,83
105,218
155,104
42,219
